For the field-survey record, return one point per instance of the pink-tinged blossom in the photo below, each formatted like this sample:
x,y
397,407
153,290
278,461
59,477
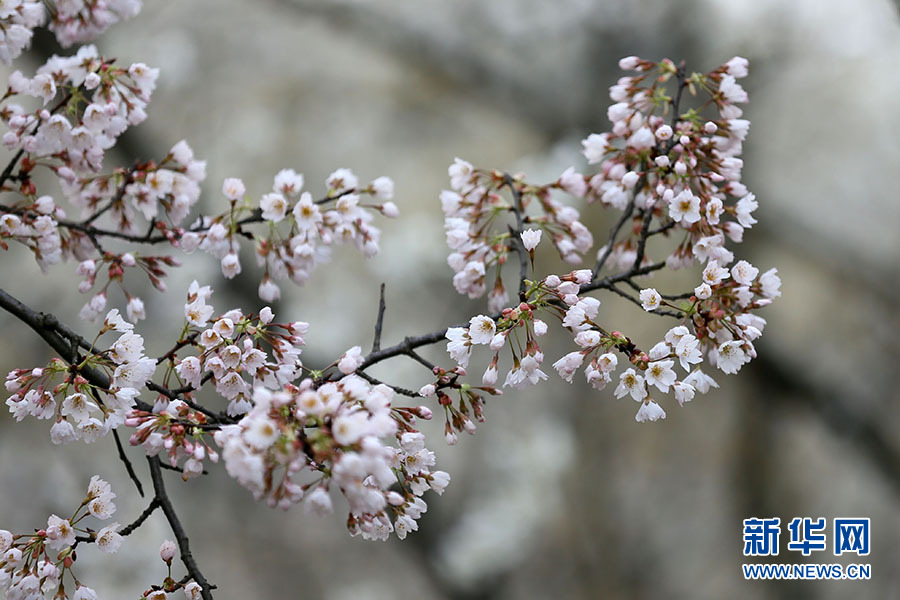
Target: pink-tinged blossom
x,y
351,360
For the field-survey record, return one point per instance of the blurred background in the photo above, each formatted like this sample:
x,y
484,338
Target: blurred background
x,y
560,494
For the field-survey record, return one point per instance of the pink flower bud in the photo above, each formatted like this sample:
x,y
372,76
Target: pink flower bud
x,y
167,551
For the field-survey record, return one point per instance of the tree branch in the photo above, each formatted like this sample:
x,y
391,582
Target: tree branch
x,y
181,538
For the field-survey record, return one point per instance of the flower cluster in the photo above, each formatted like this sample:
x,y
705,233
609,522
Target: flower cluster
x,y
233,354
300,229
33,565
76,21
99,101
35,228
231,347
331,435
685,172
478,237
17,21
81,409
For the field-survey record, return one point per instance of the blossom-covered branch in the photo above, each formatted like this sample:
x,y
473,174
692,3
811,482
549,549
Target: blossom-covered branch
x,y
231,385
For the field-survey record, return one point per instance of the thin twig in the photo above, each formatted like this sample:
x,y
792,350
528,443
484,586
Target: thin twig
x,y
613,234
127,463
154,504
379,322
515,240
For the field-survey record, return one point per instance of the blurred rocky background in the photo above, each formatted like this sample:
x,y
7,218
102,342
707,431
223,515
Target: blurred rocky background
x,y
560,494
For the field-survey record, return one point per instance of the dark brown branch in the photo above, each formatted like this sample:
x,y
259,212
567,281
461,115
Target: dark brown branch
x,y
181,538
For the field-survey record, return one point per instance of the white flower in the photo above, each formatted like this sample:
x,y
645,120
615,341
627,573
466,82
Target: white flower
x,y
737,67
685,208
713,273
631,383
231,265
62,432
629,179
318,502
59,532
427,390
700,381
745,208
260,432
660,374
641,139
192,591
288,183
350,360
531,238
664,132
460,173
568,364
233,188
349,428
607,362
129,347
743,272
78,407
650,299
688,351
481,329
703,291
342,180
390,210
306,213
649,411
274,207
459,347
135,309
731,357
684,392
588,339
595,147
102,507
573,182
771,284
198,312
268,290
489,377
83,592
108,540
383,188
